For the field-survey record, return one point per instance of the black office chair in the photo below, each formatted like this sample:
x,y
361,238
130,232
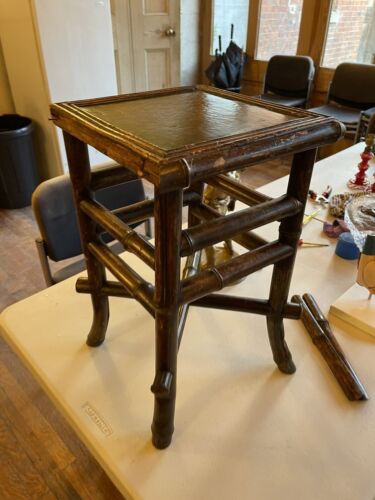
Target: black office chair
x,y
54,211
351,92
366,125
288,80
371,125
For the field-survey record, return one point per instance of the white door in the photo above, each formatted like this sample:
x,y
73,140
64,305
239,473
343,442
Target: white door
x,y
147,34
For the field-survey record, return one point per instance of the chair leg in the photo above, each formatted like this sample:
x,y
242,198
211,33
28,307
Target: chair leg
x,y
80,174
148,228
275,326
168,211
46,269
289,233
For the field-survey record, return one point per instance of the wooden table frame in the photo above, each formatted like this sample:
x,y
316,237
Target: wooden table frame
x,y
178,176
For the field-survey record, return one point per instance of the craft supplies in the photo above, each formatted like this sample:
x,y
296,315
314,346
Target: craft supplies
x,y
339,201
321,198
334,230
360,218
302,243
346,247
309,217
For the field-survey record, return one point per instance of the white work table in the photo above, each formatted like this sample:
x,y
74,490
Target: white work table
x,y
243,429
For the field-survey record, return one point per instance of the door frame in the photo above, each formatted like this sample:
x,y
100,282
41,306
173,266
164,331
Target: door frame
x,y
123,42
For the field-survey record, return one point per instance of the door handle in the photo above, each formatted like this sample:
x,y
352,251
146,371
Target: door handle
x,y
169,32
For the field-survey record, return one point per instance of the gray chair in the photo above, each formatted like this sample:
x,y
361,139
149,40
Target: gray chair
x,y
54,211
288,80
351,92
371,125
366,125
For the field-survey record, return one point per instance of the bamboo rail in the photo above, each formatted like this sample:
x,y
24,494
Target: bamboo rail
x,y
110,288
140,289
248,240
216,278
191,269
237,190
246,305
110,176
129,238
209,233
145,209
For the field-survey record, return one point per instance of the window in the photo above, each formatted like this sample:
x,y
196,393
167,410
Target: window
x,y
278,28
225,13
351,33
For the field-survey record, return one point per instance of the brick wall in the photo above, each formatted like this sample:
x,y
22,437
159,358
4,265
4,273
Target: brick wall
x,y
348,32
279,28
351,33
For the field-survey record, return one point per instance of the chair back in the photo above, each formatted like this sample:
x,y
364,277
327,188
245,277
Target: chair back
x,y
55,213
371,125
289,76
353,85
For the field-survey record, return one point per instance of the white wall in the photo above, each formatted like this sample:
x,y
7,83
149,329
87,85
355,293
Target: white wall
x,y
6,99
189,46
26,80
54,50
76,43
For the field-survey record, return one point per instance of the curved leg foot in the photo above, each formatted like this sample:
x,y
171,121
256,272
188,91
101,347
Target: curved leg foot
x,y
281,353
162,425
100,321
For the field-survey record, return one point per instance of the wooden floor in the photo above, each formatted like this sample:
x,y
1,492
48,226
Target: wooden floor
x,y
40,455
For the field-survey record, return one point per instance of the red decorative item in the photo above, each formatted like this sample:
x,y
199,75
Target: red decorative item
x,y
360,180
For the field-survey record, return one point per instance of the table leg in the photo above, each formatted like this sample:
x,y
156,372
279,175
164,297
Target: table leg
x,y
168,216
289,233
80,174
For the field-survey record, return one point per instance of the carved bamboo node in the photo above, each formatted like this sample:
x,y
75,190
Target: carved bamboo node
x,y
162,384
188,171
218,276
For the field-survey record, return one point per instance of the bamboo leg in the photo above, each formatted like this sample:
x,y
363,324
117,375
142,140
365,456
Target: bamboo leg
x,y
192,262
80,174
168,211
289,233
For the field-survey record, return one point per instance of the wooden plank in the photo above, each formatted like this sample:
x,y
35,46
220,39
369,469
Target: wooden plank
x,y
18,476
25,468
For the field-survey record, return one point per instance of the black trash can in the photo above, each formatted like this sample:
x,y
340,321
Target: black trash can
x,y
18,170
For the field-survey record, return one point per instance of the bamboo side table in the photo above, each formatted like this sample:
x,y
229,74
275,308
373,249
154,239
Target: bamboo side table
x,y
179,139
